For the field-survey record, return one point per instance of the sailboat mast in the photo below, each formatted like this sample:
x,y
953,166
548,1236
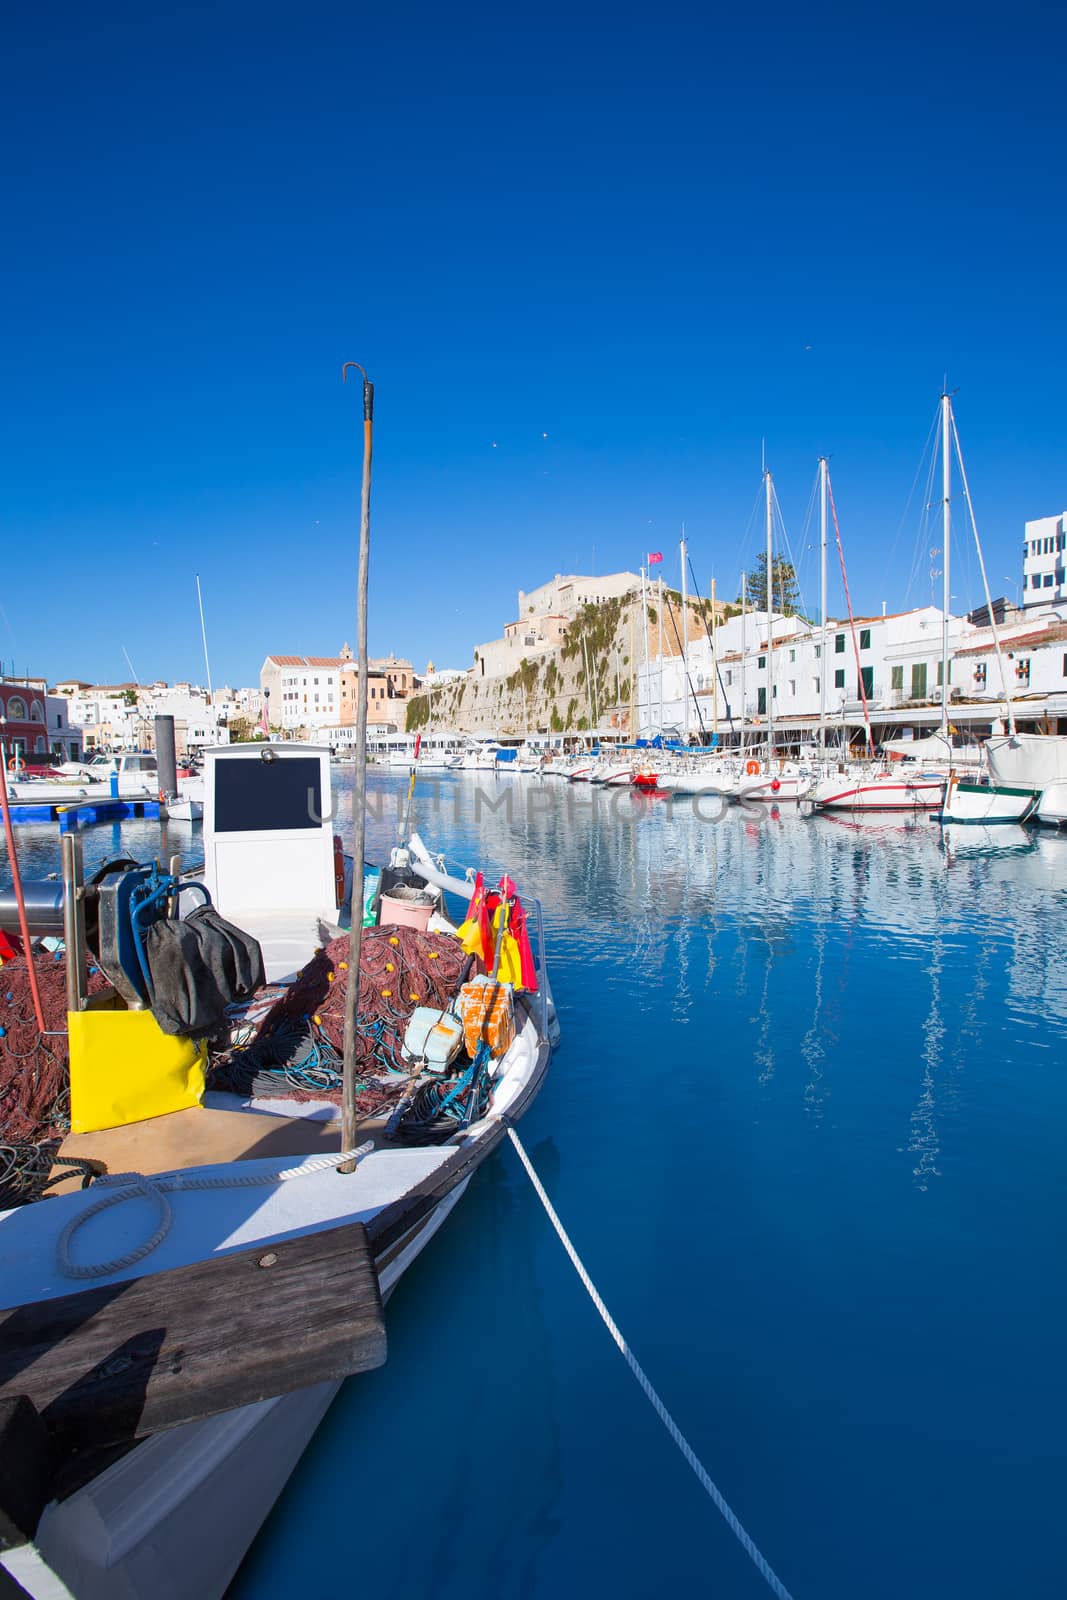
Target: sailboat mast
x,y
946,494
770,629
714,669
648,676
659,638
349,1108
685,644
743,705
822,604
203,636
1008,706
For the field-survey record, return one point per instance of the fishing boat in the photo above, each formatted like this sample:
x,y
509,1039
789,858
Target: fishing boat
x,y
150,1422
142,1484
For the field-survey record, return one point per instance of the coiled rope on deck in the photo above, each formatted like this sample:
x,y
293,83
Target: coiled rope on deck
x,y
711,1489
137,1185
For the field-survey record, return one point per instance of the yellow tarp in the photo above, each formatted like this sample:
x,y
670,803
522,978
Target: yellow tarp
x,y
124,1068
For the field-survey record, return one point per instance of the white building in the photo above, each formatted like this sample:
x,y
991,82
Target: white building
x,y
566,595
894,663
303,691
64,736
1045,561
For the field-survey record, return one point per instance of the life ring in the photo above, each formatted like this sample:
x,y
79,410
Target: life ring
x,y
15,765
752,768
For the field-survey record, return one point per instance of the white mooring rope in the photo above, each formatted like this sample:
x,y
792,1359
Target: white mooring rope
x,y
759,1561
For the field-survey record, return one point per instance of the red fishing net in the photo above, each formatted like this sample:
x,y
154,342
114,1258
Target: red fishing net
x,y
34,1071
296,1049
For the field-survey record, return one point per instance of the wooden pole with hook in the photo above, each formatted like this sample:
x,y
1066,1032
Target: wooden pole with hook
x,y
359,799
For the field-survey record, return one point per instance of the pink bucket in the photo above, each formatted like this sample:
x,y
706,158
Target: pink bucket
x,y
406,908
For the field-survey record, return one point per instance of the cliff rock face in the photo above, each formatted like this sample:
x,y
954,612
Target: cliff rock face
x,y
586,682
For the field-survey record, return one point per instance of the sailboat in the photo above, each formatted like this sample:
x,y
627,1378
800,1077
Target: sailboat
x,y
773,779
863,786
1020,765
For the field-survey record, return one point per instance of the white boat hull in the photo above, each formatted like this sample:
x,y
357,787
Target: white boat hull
x,y
176,1516
986,802
772,788
1052,805
842,793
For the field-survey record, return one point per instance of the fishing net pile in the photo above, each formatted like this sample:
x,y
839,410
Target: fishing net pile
x,y
34,1074
295,1050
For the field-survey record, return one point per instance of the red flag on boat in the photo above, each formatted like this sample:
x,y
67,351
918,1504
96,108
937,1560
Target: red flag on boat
x,y
264,724
418,745
654,556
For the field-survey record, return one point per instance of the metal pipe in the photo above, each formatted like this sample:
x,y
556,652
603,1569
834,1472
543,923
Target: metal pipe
x,y
74,921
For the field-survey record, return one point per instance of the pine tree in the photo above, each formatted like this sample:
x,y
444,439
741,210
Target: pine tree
x,y
785,593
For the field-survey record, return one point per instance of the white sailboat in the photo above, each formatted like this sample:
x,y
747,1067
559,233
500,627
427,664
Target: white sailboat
x,y
1019,765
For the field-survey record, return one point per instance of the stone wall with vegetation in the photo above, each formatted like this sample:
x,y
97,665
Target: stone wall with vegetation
x,y
584,683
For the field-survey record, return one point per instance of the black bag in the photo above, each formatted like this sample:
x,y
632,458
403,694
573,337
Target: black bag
x,y
199,966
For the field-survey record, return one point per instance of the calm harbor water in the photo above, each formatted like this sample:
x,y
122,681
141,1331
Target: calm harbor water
x,y
806,1127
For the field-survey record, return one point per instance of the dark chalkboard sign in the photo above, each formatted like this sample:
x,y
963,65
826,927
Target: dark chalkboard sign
x,y
256,796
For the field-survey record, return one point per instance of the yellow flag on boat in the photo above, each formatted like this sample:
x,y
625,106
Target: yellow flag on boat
x,y
509,967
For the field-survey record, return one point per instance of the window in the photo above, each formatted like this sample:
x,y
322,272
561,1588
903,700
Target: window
x,y
792,656
1022,670
761,662
16,708
1064,672
918,680
792,685
818,652
761,701
730,676
980,668
865,638
1024,580
867,681
816,684
839,644
35,712
839,678
896,678
775,695
940,667
1048,580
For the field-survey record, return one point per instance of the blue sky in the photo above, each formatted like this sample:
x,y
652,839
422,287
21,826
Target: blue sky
x,y
591,257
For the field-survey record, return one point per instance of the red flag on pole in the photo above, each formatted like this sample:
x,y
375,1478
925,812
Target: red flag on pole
x,y
264,724
654,556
